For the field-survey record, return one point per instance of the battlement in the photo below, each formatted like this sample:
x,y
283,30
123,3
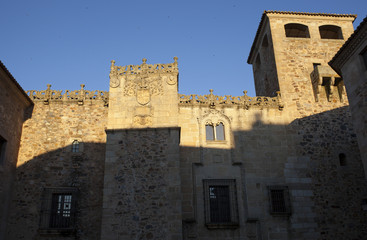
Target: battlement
x,y
247,102
78,96
144,68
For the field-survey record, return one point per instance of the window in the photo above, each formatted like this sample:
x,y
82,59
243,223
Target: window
x,y
296,30
279,200
342,159
75,146
220,203
58,210
330,32
214,133
2,150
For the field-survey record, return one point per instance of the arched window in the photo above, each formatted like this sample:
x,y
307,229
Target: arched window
x,y
330,32
75,146
296,30
214,132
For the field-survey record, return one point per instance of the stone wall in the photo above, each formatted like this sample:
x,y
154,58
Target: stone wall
x,y
13,107
142,185
46,161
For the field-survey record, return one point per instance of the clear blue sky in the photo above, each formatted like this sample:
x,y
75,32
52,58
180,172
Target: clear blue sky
x,y
70,42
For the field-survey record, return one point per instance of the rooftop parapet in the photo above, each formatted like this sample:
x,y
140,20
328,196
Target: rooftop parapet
x,y
245,101
78,96
144,68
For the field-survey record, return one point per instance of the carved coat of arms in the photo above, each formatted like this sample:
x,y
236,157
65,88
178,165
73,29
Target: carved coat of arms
x,y
143,96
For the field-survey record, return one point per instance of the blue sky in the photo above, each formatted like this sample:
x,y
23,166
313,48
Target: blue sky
x,y
70,42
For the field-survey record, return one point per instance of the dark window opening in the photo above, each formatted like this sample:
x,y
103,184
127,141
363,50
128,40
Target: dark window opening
x,y
330,32
342,159
279,200
220,210
296,30
61,211
75,146
265,42
2,150
219,130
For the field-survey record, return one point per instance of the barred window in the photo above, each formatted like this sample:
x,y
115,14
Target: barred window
x,y
279,200
220,203
58,209
75,146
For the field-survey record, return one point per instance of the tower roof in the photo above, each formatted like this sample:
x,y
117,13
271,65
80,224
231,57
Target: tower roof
x,y
292,13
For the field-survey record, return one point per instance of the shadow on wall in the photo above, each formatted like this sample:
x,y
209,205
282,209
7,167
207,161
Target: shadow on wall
x,y
325,192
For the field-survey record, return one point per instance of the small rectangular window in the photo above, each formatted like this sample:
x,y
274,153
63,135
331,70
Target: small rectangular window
x,y
2,150
219,130
220,200
279,200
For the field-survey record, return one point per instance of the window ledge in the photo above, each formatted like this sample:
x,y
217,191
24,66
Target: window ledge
x,y
216,141
57,231
230,225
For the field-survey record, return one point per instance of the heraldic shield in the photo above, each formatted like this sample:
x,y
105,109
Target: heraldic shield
x,y
143,96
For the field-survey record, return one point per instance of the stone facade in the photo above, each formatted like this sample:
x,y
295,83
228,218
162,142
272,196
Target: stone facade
x,y
155,164
14,105
351,63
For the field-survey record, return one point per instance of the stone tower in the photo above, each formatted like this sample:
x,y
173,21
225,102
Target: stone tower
x,y
290,53
142,185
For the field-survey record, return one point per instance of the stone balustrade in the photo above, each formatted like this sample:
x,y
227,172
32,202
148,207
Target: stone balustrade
x,y
79,96
247,102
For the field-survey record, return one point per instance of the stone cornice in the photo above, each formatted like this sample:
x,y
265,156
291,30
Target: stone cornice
x,y
79,96
212,101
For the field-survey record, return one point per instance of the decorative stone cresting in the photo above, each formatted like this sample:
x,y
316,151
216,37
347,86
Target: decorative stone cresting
x,y
79,96
143,68
247,102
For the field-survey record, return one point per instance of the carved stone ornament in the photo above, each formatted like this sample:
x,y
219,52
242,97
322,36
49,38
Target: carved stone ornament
x,y
114,80
142,120
143,96
171,80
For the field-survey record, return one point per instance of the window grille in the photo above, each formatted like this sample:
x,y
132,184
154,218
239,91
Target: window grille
x,y
279,200
58,210
220,203
75,146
